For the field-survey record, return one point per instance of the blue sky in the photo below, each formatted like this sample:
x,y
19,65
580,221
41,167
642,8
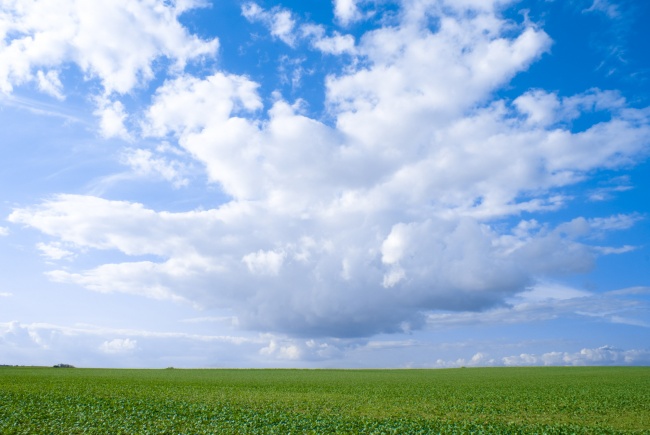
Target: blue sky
x,y
347,183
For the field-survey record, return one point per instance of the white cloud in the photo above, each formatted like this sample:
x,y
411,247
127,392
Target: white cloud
x,y
605,6
394,276
607,193
144,278
54,251
253,12
545,109
264,262
144,163
50,84
141,335
608,250
479,359
112,116
628,321
188,105
4,231
346,11
281,348
617,222
546,291
288,351
5,295
336,44
283,26
119,345
115,42
279,21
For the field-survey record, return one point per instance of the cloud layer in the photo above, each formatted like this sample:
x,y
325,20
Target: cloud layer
x,y
407,199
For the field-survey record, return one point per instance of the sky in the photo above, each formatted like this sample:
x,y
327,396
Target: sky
x,y
316,183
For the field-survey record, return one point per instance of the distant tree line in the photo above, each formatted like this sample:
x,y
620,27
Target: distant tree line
x,y
56,366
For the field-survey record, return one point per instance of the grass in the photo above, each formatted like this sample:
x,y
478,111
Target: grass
x,y
589,400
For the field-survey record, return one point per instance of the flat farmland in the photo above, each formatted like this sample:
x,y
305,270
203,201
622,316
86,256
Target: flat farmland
x,y
550,400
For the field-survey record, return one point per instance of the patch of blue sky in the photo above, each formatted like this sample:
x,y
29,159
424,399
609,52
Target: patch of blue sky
x,y
590,49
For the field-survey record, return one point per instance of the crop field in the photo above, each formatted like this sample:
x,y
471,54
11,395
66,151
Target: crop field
x,y
567,400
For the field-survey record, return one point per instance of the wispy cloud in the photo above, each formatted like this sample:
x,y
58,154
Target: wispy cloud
x,y
38,107
548,302
607,7
54,251
279,21
611,189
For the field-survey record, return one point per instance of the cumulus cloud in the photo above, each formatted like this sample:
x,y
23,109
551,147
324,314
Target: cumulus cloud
x,y
112,117
367,223
346,11
119,345
40,37
187,105
332,285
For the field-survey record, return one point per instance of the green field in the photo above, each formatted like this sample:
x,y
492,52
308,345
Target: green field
x,y
589,400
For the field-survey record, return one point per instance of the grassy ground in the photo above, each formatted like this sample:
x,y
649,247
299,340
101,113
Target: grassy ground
x,y
588,400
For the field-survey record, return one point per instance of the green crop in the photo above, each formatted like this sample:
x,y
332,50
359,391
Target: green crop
x,y
588,400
